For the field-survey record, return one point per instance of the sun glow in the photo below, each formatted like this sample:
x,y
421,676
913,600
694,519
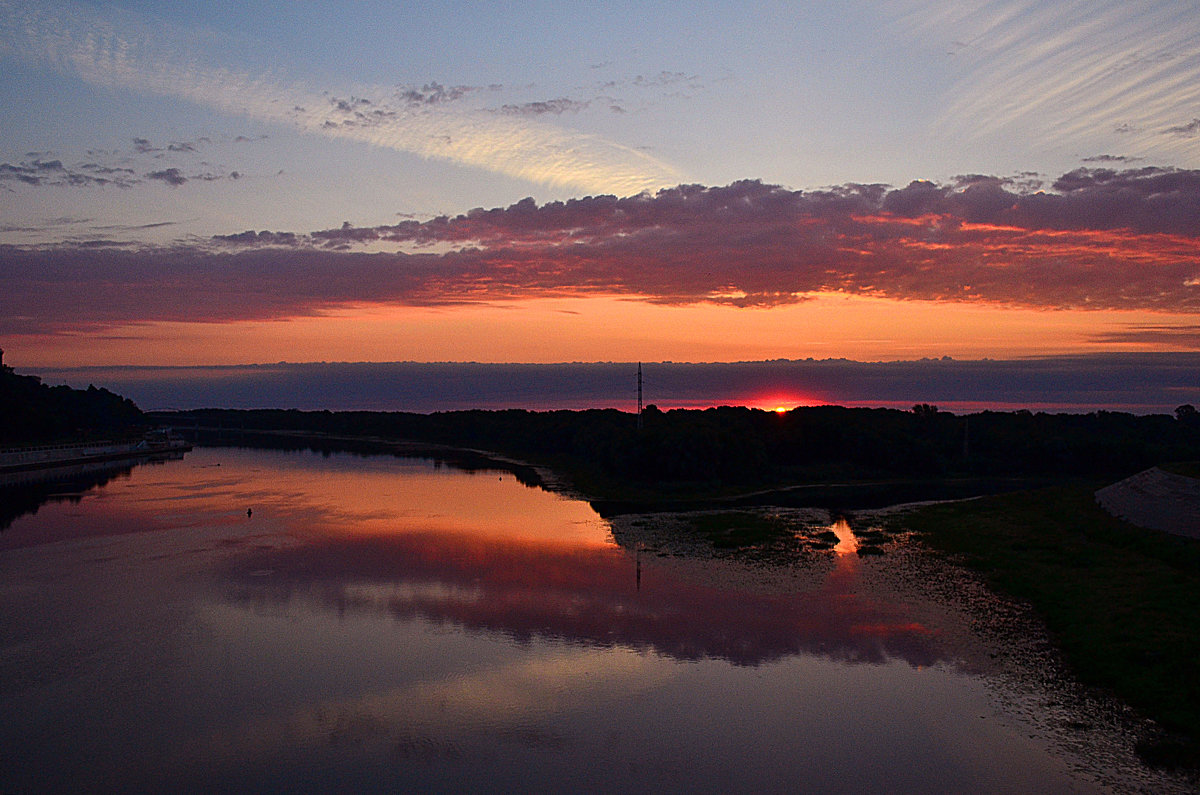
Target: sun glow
x,y
781,403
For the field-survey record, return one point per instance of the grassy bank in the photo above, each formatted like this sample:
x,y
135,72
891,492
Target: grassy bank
x,y
1119,601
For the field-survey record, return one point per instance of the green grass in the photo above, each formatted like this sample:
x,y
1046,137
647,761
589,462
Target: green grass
x,y
1189,469
1121,602
772,534
737,529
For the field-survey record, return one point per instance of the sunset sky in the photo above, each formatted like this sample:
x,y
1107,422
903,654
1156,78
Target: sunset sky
x,y
235,183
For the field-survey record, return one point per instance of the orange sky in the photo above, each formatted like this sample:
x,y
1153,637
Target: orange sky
x,y
971,269
606,328
986,184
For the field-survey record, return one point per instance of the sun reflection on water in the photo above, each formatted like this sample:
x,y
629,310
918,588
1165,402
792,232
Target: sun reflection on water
x,y
847,542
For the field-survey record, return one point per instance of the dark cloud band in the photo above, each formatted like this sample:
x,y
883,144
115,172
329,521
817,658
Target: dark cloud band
x,y
1103,239
1144,383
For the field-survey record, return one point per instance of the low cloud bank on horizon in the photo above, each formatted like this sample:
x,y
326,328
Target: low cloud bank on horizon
x,y
1098,239
1137,382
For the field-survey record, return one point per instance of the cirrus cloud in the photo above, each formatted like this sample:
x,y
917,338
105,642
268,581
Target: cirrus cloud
x,y
129,52
1065,70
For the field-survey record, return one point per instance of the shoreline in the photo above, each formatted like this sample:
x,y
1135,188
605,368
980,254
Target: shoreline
x,y
36,457
846,495
987,633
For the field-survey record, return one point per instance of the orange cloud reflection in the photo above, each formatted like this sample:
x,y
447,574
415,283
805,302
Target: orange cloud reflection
x,y
586,595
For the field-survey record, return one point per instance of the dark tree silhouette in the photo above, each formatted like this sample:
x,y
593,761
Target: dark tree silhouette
x,y
31,412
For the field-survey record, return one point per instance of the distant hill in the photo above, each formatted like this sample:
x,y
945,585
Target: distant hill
x,y
33,413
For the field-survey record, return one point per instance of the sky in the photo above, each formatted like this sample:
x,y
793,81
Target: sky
x,y
214,184
1141,383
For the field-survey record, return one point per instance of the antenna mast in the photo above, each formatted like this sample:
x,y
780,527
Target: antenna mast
x,y
639,396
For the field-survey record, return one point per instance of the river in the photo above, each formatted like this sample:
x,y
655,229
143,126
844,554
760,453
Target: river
x,y
245,620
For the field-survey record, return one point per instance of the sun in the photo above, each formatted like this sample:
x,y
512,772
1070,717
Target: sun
x,y
781,402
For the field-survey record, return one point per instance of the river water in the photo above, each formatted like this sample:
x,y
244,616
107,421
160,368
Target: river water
x,y
253,620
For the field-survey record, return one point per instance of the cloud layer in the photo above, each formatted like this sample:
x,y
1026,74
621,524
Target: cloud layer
x,y
1135,382
38,171
120,169
1069,69
1103,239
123,51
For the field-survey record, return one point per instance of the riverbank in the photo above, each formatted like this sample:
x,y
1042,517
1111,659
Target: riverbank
x,y
984,631
1117,599
34,457
612,497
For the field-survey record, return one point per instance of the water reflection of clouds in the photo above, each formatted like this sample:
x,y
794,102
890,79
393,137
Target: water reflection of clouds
x,y
314,495
299,651
588,596
516,701
305,495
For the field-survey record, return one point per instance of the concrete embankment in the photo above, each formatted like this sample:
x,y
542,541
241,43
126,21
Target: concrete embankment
x,y
18,459
1157,500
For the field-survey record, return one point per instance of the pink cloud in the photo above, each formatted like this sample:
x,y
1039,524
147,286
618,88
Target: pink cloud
x,y
528,591
1103,239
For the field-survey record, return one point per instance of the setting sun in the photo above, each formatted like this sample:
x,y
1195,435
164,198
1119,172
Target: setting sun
x,y
781,403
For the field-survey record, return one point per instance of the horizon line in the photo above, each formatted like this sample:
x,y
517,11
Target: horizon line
x,y
920,359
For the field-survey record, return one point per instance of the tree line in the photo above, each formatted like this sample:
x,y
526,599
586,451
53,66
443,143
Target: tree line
x,y
742,445
34,413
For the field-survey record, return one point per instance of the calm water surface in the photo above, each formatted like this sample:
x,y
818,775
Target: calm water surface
x,y
385,624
